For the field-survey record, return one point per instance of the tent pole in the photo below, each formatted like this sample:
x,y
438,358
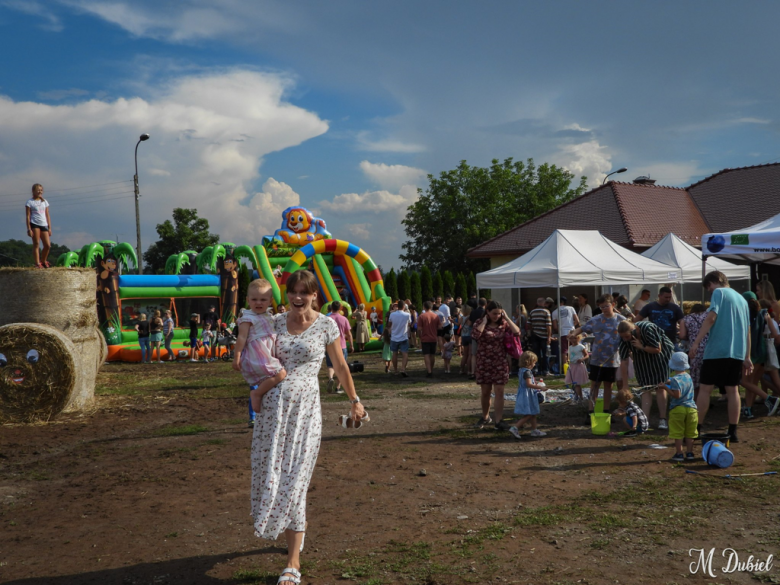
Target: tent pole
x,y
560,335
703,274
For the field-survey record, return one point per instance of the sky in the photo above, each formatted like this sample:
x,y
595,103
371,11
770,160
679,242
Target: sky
x,y
346,107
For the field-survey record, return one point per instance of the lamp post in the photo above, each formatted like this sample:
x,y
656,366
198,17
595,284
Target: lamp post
x,y
620,170
143,137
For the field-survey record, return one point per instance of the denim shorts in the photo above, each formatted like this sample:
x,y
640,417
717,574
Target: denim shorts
x,y
327,357
402,346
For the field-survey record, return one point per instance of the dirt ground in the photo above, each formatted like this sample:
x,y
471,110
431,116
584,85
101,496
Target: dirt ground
x,y
152,487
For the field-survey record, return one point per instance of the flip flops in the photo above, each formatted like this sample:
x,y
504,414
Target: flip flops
x,y
347,422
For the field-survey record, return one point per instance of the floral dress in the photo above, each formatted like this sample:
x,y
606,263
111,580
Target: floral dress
x,y
693,322
287,432
492,365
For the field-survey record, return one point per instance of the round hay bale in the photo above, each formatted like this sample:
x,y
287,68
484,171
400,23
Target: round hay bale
x,y
38,372
90,354
64,298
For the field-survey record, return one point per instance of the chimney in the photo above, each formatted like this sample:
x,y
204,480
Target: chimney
x,y
644,180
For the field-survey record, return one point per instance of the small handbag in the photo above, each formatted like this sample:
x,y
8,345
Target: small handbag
x,y
512,345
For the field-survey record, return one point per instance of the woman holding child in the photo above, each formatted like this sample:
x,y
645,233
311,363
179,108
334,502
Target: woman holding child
x,y
288,427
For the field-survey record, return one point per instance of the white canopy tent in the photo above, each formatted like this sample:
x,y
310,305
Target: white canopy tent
x,y
577,257
678,255
757,243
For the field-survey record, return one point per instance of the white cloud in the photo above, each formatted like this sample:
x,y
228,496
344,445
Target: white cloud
x,y
586,158
671,173
752,121
269,204
33,8
365,142
392,176
359,230
187,20
75,240
373,201
209,134
61,94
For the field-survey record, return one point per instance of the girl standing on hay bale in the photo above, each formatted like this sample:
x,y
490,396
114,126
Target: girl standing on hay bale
x,y
39,225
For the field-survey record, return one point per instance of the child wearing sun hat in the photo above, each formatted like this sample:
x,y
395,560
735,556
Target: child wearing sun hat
x,y
683,415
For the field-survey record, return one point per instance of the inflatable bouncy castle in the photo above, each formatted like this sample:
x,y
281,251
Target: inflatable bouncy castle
x,y
196,281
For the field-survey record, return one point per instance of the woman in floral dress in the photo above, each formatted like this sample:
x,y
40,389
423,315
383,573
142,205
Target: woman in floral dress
x,y
492,364
287,431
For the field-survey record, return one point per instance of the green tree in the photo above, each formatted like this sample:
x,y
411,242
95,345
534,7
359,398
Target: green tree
x,y
426,283
471,282
244,278
438,285
461,290
186,232
404,291
416,291
477,204
391,285
19,253
449,282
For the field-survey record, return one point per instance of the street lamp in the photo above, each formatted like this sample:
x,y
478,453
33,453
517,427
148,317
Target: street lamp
x,y
620,170
143,138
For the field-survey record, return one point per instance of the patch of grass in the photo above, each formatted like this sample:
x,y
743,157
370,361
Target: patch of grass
x,y
253,575
216,442
233,421
420,395
544,516
608,522
173,431
172,535
599,543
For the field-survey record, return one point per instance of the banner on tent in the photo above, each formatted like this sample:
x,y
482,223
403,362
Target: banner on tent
x,y
755,243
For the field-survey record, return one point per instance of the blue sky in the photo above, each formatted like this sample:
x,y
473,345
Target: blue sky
x,y
344,107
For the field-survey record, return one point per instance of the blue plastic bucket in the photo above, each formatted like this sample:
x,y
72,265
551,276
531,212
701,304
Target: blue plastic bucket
x,y
715,453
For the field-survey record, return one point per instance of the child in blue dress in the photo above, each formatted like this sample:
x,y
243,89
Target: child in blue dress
x,y
526,403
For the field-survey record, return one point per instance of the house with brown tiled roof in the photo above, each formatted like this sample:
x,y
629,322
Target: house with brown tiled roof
x,y
639,214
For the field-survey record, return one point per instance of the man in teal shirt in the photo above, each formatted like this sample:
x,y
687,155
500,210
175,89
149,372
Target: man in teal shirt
x,y
727,353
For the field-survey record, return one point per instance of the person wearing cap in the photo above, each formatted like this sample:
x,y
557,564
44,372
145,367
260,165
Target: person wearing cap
x,y
564,320
194,321
683,416
650,349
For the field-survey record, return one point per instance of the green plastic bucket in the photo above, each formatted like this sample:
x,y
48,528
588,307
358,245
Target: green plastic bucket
x,y
600,424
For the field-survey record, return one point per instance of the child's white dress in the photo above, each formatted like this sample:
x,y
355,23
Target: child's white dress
x,y
258,360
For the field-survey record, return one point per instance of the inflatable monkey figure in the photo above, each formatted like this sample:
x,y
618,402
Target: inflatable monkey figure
x,y
228,272
108,288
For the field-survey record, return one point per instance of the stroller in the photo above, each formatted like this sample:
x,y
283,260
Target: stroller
x,y
228,341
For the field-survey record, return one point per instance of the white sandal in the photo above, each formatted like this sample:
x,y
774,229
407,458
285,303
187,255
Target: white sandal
x,y
295,579
347,421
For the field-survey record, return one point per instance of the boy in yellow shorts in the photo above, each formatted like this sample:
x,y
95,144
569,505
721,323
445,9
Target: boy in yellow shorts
x,y
683,415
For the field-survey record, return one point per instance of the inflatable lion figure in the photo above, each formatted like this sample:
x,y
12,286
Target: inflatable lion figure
x,y
300,227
